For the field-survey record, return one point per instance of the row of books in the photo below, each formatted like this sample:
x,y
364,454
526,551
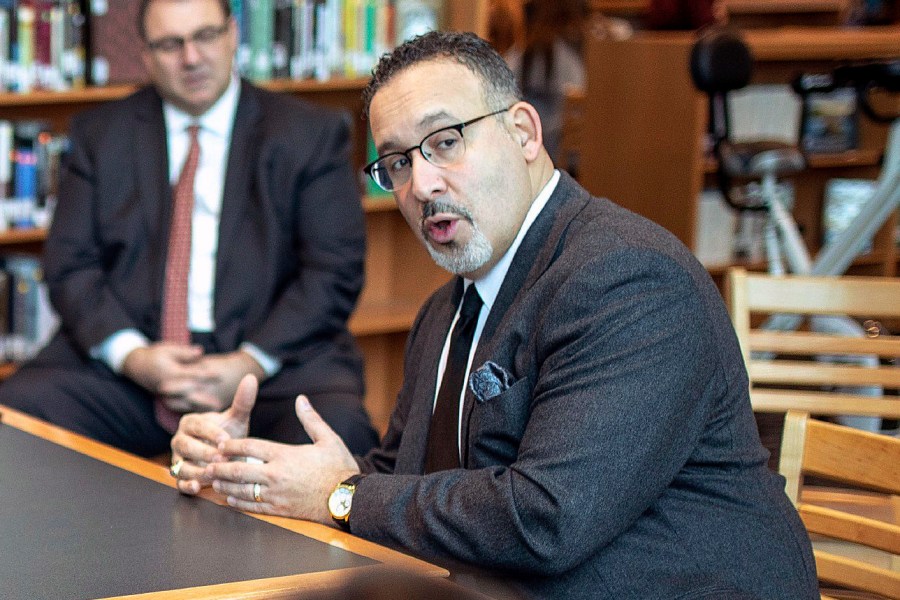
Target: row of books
x,y
30,159
27,321
61,44
42,44
297,39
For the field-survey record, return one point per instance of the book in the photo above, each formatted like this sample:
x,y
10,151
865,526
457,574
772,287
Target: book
x,y
32,320
843,200
830,121
261,17
716,225
115,54
764,112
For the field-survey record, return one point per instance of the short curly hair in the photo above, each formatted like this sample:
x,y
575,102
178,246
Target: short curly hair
x,y
477,55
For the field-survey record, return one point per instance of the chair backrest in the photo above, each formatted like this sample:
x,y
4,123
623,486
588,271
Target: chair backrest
x,y
786,368
866,461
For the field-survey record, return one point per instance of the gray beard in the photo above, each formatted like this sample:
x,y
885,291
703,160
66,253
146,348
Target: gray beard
x,y
460,260
457,259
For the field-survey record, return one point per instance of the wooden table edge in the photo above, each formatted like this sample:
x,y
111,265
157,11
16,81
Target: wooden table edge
x,y
276,587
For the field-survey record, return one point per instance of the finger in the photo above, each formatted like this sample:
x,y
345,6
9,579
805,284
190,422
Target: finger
x,y
240,491
183,353
263,450
316,427
190,487
236,472
189,478
251,506
244,399
198,437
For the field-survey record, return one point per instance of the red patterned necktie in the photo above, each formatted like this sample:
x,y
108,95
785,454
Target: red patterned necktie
x,y
178,264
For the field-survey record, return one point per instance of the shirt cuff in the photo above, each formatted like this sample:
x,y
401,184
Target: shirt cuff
x,y
268,363
115,349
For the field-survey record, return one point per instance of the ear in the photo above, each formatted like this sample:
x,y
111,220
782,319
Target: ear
x,y
527,129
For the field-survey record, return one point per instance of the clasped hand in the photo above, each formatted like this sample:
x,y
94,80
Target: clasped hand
x,y
187,379
294,480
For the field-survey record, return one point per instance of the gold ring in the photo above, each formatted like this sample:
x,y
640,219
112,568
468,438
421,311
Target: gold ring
x,y
175,469
257,488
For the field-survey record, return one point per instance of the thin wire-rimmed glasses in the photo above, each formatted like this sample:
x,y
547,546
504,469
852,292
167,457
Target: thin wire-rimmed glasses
x,y
202,38
442,148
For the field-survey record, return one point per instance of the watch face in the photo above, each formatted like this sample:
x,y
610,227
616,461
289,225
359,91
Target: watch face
x,y
339,502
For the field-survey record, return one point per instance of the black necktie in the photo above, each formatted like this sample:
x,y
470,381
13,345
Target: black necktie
x,y
443,446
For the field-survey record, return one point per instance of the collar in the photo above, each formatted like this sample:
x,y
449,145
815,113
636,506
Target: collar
x,y
218,120
489,286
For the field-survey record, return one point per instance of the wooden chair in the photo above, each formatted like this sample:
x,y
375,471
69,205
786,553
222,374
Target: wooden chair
x,y
867,461
784,370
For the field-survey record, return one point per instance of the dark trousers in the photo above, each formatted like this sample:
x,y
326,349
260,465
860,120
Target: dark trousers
x,y
86,397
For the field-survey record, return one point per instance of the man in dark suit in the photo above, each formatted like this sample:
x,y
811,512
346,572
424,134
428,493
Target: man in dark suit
x,y
270,270
604,445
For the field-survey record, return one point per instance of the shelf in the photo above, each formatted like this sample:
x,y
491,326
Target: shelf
x,y
851,158
388,317
114,92
775,7
15,237
380,203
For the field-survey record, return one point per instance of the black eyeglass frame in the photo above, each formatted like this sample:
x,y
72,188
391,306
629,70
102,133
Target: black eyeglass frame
x,y
202,37
369,168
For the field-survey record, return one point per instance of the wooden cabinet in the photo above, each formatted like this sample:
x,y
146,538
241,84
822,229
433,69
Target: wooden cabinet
x,y
399,272
644,126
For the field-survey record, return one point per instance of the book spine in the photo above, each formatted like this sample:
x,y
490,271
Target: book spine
x,y
25,64
262,20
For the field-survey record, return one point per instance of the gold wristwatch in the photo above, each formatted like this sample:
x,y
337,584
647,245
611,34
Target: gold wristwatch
x,y
341,499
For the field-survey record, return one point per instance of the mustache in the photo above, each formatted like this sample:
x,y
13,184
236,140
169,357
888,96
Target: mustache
x,y
444,206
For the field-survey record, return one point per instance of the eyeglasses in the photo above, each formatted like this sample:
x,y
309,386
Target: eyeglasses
x,y
202,38
442,148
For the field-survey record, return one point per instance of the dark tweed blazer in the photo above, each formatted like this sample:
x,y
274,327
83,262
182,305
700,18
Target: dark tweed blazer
x,y
621,459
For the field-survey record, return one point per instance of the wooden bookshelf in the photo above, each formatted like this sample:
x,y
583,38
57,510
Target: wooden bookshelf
x,y
648,123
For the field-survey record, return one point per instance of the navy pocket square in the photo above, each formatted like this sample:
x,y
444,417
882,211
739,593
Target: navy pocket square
x,y
489,381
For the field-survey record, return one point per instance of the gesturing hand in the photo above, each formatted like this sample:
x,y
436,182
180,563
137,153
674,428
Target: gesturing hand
x,y
294,481
199,435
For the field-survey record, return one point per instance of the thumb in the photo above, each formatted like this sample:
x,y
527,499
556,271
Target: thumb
x,y
316,428
244,399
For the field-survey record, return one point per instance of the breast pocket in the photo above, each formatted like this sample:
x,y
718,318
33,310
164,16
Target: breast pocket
x,y
496,426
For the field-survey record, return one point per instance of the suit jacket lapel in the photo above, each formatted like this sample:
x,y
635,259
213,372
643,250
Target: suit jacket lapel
x,y
237,195
535,254
151,166
413,444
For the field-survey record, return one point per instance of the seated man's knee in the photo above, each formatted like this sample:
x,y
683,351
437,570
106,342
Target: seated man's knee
x,y
27,391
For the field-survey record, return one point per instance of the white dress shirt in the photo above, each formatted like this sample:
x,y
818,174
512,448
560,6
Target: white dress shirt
x,y
488,287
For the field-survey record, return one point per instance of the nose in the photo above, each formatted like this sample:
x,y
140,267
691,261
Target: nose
x,y
427,180
190,54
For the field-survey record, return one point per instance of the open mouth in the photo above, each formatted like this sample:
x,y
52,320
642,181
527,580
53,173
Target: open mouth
x,y
441,228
